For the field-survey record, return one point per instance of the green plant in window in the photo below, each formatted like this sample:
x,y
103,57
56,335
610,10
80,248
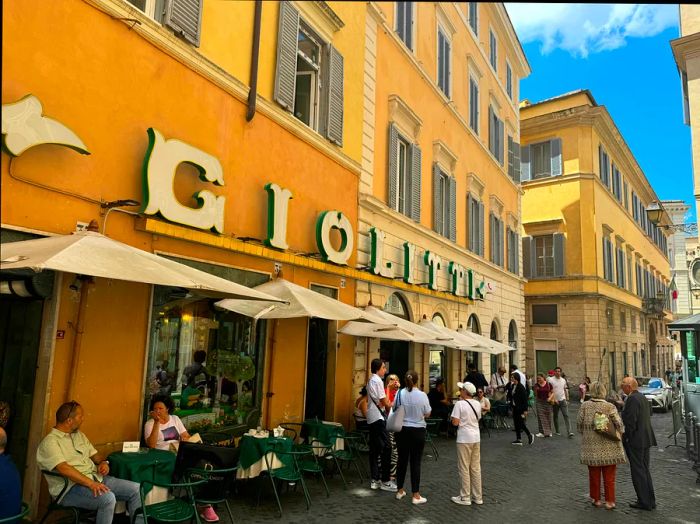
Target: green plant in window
x,y
238,367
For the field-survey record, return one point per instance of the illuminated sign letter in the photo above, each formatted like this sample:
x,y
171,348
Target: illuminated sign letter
x,y
24,126
456,272
432,261
409,255
376,256
162,158
277,210
470,284
327,221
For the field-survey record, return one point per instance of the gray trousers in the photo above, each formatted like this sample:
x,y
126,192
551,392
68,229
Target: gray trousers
x,y
562,406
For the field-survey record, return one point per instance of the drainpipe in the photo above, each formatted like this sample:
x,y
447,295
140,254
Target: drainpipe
x,y
270,369
253,93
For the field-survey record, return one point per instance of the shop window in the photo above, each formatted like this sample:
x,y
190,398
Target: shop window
x,y
545,314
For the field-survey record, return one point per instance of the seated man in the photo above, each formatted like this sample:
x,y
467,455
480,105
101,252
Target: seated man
x,y
10,489
439,403
68,451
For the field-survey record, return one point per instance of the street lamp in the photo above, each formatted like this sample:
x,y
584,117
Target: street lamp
x,y
655,212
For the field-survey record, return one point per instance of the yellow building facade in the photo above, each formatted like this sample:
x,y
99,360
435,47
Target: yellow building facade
x,y
133,83
597,296
439,194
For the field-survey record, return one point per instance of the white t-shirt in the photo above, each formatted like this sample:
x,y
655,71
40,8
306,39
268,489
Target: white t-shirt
x,y
559,388
468,430
375,393
485,404
498,380
168,432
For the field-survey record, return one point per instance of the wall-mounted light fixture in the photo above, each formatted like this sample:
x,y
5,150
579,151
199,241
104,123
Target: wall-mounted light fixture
x,y
655,212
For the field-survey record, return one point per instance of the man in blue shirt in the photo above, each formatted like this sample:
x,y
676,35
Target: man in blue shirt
x,y
10,491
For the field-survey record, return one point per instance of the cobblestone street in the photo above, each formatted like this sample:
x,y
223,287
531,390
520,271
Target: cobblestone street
x,y
538,483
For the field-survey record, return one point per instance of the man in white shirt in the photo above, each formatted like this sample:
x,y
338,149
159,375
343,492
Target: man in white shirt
x,y
379,446
498,384
561,397
465,416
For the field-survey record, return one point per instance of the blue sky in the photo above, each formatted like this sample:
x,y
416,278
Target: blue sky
x,y
622,54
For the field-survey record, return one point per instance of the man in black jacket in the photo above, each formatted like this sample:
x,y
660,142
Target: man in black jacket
x,y
637,439
475,377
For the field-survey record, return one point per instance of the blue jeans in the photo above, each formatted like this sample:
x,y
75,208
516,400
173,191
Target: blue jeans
x,y
119,489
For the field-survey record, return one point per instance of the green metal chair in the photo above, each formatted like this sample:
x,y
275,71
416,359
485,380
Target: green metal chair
x,y
217,487
23,513
432,427
290,472
349,455
78,513
314,462
178,509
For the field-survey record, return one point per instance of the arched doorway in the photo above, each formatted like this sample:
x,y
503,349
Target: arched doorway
x,y
512,342
653,353
437,358
494,335
395,352
473,325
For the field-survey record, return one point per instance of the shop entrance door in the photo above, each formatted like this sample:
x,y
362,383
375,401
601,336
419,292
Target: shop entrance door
x,y
395,354
20,328
316,365
546,360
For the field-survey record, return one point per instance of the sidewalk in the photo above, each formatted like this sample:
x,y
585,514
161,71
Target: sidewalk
x,y
538,483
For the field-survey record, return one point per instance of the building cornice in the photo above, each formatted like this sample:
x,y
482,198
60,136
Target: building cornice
x,y
684,48
189,56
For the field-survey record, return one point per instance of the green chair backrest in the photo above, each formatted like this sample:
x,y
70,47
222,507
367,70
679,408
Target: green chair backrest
x,y
24,509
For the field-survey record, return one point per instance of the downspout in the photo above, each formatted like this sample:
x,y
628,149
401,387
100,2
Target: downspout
x,y
253,93
270,369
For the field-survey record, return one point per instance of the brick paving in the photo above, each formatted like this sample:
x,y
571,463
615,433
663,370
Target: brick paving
x,y
531,484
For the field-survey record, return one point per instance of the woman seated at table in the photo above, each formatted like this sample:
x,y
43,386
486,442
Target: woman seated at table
x,y
163,429
361,410
484,401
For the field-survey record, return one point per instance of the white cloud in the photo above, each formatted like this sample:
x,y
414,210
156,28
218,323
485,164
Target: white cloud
x,y
582,29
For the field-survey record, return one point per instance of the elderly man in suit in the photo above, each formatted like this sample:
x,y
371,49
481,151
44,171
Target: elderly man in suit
x,y
637,439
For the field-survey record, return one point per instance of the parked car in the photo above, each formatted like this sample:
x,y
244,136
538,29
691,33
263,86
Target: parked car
x,y
657,391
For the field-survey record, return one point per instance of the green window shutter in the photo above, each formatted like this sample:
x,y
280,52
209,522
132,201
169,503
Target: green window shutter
x,y
559,261
528,256
481,229
524,163
437,205
453,208
393,175
185,18
415,181
286,75
334,129
555,149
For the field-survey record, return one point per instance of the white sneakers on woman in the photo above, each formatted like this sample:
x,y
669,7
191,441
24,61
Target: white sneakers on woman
x,y
402,494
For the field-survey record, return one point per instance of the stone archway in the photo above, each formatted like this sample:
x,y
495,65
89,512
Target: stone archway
x,y
396,353
512,342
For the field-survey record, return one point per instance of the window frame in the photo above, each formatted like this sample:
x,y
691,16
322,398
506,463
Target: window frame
x,y
448,40
509,81
532,315
403,192
411,33
474,79
547,159
445,199
493,50
473,24
544,257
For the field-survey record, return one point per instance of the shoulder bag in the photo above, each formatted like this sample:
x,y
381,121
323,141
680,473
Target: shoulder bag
x,y
475,413
605,426
394,421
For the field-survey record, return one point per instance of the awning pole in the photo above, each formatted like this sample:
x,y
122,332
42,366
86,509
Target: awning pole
x,y
268,395
78,338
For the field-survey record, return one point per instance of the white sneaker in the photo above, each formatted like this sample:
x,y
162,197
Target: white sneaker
x,y
400,495
478,502
421,500
461,501
388,486
540,435
374,484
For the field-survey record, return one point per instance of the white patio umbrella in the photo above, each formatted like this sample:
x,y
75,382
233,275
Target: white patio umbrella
x,y
300,302
466,342
492,347
90,253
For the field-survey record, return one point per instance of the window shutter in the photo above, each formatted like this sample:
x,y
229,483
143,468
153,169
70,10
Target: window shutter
x,y
287,34
492,237
525,163
528,257
470,225
481,228
453,208
516,162
501,140
558,254
555,149
334,128
416,157
437,207
516,257
492,131
393,175
185,18
511,161
501,256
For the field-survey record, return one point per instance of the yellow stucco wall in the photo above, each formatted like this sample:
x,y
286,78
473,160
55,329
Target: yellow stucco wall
x,y
81,64
689,19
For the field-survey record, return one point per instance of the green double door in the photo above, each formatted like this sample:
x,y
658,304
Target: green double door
x,y
545,361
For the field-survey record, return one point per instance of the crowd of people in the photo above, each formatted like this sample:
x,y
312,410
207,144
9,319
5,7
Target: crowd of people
x,y
615,428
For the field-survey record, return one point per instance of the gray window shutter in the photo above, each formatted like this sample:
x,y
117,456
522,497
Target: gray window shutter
x,y
492,131
525,163
185,18
511,159
393,175
558,254
501,140
501,256
516,258
334,129
492,237
528,257
437,205
481,228
555,149
471,218
453,208
415,181
287,35
516,161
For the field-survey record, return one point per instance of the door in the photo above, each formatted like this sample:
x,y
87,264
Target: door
x,y
546,360
613,371
395,354
20,328
316,364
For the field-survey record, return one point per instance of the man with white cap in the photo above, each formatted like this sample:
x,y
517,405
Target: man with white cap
x,y
466,415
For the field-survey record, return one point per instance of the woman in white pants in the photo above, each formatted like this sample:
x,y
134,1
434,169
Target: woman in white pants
x,y
465,416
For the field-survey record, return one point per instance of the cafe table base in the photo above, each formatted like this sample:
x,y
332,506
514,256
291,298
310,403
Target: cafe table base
x,y
154,465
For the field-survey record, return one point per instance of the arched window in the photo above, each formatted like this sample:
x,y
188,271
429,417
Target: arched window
x,y
437,318
494,335
473,324
437,364
512,341
396,305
